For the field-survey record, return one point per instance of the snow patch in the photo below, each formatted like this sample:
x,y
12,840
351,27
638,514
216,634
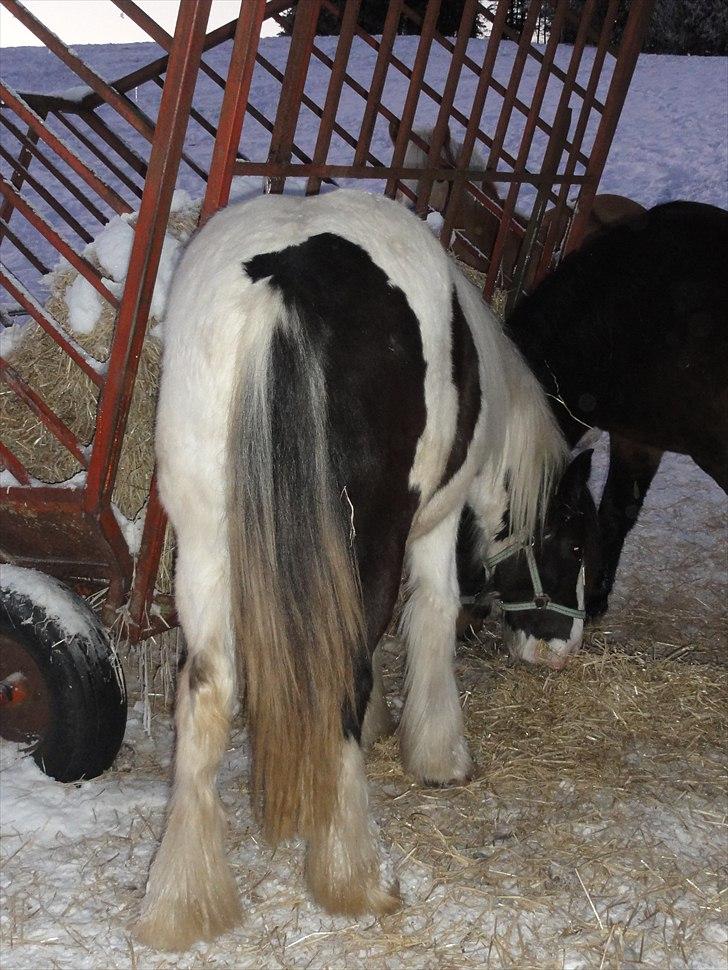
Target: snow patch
x,y
84,306
112,248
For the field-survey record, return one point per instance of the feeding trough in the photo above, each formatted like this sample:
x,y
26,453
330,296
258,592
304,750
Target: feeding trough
x,y
68,525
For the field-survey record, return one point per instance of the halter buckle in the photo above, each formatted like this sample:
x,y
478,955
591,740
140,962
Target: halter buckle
x,y
541,601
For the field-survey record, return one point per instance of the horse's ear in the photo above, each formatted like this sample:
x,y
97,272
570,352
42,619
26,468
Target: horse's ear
x,y
447,148
491,188
576,476
394,130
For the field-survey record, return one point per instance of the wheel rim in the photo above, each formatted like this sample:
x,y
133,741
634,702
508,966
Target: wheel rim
x,y
25,700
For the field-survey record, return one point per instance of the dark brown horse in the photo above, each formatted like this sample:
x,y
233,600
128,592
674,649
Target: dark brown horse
x,y
630,335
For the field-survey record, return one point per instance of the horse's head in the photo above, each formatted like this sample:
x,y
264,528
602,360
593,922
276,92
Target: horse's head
x,y
477,222
416,157
543,587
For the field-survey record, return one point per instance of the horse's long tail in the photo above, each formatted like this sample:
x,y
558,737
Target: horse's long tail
x,y
296,600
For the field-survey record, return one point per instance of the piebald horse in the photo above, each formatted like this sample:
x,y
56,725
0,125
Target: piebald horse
x,y
333,391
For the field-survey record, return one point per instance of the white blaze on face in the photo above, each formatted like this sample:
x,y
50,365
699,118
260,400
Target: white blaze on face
x,y
554,653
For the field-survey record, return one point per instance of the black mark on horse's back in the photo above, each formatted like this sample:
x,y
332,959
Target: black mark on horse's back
x,y
326,271
466,379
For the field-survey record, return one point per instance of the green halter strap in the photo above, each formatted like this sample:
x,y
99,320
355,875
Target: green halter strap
x,y
541,600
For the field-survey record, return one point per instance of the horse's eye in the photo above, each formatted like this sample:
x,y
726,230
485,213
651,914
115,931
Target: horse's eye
x,y
576,550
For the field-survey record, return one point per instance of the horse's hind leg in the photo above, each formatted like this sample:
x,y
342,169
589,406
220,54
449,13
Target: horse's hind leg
x,y
191,893
631,470
431,731
343,863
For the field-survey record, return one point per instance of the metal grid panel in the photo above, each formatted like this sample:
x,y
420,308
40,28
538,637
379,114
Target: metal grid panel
x,y
64,151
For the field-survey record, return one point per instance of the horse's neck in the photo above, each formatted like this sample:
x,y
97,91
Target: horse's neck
x,y
531,332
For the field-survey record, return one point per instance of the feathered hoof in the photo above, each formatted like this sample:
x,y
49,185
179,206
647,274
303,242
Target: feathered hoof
x,y
438,766
177,921
191,892
373,899
378,724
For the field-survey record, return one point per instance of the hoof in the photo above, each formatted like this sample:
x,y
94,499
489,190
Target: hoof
x,y
450,783
373,899
176,924
439,764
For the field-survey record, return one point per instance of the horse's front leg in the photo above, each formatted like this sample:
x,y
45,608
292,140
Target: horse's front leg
x,y
432,742
631,470
191,893
378,722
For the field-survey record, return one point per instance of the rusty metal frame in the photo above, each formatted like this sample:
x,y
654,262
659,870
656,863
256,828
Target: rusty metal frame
x,y
72,531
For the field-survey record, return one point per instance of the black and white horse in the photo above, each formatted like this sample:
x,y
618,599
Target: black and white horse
x,y
630,335
333,391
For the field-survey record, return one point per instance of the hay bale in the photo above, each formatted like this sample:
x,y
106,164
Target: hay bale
x,y
90,321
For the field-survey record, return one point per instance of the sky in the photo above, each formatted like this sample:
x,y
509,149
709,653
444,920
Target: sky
x,y
100,22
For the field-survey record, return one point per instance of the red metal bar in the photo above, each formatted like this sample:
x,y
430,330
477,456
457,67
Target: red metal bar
x,y
476,113
54,170
637,22
101,152
550,165
413,91
509,206
58,242
537,97
425,88
311,104
92,368
14,465
131,323
7,233
47,196
571,161
60,431
104,191
536,53
441,129
493,82
394,172
150,553
289,105
135,162
379,76
519,63
128,111
48,528
21,168
190,162
559,212
333,94
232,111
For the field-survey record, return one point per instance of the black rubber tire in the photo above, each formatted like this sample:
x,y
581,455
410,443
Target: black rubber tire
x,y
80,675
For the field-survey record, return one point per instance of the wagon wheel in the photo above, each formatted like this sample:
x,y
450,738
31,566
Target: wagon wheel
x,y
62,691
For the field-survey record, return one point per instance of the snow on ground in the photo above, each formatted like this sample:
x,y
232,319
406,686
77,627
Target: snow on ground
x,y
74,858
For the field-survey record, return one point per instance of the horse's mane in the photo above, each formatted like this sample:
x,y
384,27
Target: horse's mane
x,y
533,452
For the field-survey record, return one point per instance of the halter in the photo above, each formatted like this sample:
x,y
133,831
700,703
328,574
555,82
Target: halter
x,y
541,600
